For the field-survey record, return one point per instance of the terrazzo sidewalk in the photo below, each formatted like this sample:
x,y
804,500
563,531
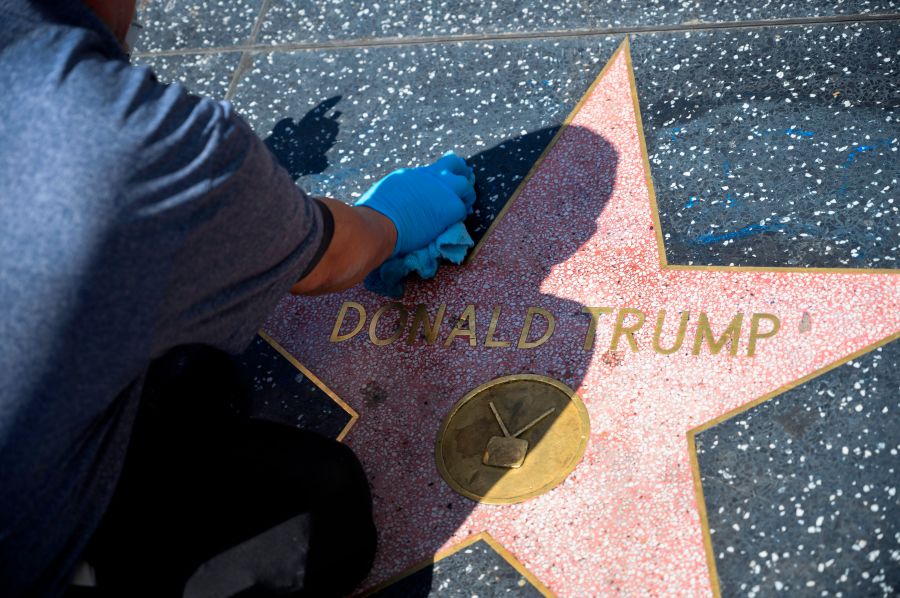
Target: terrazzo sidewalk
x,y
711,220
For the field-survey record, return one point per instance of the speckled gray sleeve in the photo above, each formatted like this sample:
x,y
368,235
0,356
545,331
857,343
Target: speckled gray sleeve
x,y
215,223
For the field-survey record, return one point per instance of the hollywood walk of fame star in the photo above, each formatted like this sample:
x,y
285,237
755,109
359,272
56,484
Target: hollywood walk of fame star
x,y
580,233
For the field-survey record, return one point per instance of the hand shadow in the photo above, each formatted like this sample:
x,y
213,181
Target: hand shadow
x,y
301,146
547,234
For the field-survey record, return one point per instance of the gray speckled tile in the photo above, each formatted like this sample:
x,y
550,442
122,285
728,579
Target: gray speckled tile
x,y
275,390
476,570
775,146
203,74
180,24
719,11
313,21
801,491
496,104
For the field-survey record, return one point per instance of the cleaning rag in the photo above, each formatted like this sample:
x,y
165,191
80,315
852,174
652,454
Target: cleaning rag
x,y
450,245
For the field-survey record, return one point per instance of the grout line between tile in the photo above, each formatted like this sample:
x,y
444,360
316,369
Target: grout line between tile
x,y
246,56
252,46
263,9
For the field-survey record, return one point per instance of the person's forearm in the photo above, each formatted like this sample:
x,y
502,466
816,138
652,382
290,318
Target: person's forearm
x,y
363,239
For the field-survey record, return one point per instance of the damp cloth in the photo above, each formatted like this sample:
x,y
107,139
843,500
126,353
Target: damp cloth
x,y
451,245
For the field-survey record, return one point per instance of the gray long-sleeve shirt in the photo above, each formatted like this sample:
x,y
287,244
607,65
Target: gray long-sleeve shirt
x,y
134,217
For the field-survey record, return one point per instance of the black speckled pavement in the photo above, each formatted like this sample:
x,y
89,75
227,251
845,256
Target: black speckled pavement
x,y
773,146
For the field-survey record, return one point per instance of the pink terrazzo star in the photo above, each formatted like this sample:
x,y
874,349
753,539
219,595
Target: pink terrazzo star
x,y
580,233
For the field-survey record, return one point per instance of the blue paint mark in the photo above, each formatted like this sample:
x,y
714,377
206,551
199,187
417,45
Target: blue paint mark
x,y
675,131
753,229
851,157
729,200
692,200
798,131
856,153
726,168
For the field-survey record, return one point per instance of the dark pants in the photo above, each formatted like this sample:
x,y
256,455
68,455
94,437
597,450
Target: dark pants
x,y
246,507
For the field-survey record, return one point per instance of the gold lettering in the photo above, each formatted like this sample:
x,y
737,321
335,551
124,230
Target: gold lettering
x,y
732,333
628,331
373,325
755,334
489,340
336,337
679,336
421,320
592,327
524,343
468,315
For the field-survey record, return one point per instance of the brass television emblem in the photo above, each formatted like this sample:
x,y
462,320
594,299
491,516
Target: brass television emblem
x,y
512,439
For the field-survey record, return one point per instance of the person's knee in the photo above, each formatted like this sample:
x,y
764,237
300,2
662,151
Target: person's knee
x,y
343,473
321,469
342,551
344,535
325,478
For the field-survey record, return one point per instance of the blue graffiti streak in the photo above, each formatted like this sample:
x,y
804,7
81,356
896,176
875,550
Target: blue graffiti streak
x,y
800,132
694,200
675,131
856,153
753,229
853,155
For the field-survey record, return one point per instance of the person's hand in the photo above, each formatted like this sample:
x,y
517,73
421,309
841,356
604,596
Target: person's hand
x,y
423,202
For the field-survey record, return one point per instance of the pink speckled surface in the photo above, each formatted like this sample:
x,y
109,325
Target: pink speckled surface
x,y
581,233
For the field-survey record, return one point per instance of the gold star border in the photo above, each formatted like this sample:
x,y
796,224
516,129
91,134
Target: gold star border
x,y
664,264
482,536
692,445
624,46
354,416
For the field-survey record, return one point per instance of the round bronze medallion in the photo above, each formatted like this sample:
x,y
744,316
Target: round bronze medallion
x,y
512,439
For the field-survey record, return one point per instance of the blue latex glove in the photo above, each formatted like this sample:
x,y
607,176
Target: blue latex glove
x,y
423,202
